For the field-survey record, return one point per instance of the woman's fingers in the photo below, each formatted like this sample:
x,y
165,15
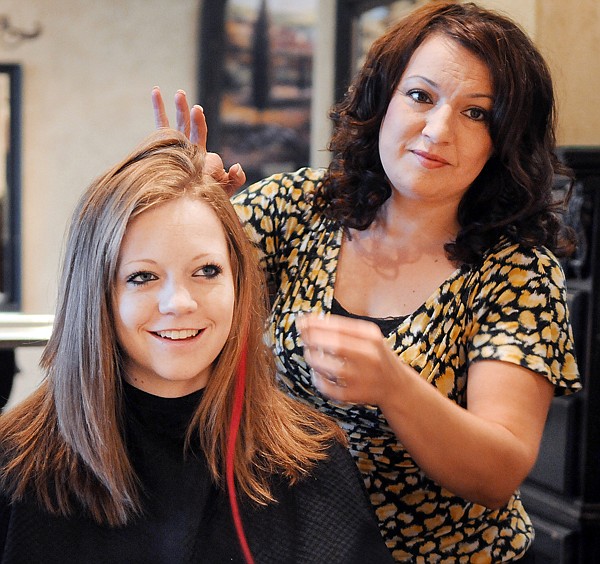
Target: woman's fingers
x,y
236,179
233,179
337,331
349,357
182,113
326,355
160,115
330,365
192,123
199,130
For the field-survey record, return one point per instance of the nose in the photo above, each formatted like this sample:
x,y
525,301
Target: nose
x,y
175,298
439,126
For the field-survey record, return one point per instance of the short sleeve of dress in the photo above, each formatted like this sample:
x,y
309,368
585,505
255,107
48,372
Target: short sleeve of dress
x,y
271,211
520,315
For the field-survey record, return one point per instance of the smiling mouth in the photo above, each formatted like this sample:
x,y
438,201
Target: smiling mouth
x,y
177,335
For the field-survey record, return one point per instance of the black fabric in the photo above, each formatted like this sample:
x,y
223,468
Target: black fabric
x,y
8,369
385,324
326,518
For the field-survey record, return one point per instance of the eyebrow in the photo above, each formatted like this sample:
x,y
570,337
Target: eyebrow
x,y
436,85
215,256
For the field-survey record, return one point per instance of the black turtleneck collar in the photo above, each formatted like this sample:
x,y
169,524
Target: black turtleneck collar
x,y
164,416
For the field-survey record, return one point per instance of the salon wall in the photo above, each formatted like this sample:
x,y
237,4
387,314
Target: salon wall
x,y
86,102
567,33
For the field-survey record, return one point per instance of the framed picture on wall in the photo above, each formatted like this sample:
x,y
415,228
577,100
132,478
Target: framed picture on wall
x,y
10,187
255,82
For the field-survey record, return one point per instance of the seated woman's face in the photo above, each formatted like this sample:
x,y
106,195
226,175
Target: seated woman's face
x,y
173,297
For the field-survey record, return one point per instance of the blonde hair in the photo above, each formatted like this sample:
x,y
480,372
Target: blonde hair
x,y
64,443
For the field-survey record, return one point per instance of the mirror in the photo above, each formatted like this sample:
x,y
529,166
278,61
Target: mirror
x,y
10,187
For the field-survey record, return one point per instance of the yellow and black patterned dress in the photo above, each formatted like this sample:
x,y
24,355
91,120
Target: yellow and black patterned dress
x,y
511,308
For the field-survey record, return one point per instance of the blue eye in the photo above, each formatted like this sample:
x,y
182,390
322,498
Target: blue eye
x,y
141,278
209,271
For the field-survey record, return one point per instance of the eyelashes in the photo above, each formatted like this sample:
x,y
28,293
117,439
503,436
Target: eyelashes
x,y
419,96
211,270
474,113
142,277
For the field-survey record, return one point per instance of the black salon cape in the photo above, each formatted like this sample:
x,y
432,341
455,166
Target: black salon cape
x,y
323,519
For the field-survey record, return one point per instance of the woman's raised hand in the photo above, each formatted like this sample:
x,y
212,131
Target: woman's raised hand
x,y
192,123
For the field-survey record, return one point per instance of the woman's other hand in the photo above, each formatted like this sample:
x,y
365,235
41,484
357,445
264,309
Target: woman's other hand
x,y
350,359
192,123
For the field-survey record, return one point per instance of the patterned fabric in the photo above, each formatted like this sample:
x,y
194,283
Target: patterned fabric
x,y
512,308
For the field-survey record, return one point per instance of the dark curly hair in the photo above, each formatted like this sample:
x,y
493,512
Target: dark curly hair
x,y
512,196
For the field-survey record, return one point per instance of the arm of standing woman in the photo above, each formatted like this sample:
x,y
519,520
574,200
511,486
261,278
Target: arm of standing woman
x,y
481,453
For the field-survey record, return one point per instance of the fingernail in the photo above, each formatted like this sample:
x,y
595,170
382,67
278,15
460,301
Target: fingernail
x,y
315,377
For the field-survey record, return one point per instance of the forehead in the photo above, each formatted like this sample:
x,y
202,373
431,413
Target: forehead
x,y
441,56
193,221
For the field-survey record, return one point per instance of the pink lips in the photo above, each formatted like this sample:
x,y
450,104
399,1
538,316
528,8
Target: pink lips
x,y
429,160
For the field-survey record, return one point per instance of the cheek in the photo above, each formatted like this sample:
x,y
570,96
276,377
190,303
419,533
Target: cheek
x,y
228,311
487,152
227,314
120,323
398,130
129,312
480,149
389,128
388,144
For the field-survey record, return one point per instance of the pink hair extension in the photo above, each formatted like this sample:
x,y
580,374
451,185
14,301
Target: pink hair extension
x,y
234,426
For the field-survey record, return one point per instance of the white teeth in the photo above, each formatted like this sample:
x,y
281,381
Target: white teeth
x,y
176,335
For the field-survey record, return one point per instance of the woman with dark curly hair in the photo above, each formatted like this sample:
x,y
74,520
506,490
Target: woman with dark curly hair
x,y
430,245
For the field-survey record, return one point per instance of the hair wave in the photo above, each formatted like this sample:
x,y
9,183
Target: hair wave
x,y
65,442
513,195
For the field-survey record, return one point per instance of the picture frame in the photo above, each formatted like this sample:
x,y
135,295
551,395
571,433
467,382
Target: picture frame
x,y
10,187
255,82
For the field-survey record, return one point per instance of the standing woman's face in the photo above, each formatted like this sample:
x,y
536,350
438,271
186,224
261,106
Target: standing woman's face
x,y
434,139
174,297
